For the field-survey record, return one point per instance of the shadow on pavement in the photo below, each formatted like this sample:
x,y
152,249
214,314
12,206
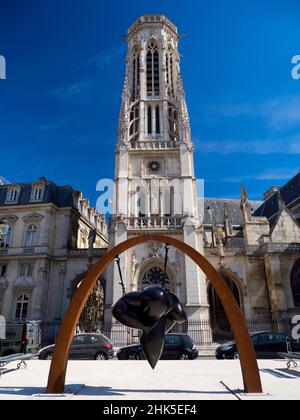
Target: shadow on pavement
x,y
108,391
282,373
90,391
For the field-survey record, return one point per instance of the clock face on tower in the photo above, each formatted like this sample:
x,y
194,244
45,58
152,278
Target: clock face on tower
x,y
153,166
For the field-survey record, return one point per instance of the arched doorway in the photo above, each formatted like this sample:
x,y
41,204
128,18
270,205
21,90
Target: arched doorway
x,y
219,322
295,284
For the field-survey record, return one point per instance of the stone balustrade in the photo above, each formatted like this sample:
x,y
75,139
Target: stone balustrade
x,y
154,145
153,222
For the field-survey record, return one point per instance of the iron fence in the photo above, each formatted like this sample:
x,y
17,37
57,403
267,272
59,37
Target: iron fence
x,y
204,333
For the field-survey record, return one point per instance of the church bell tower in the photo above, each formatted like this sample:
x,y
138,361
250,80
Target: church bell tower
x,y
154,169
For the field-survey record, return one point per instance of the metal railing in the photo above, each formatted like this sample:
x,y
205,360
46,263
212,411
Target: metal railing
x,y
204,333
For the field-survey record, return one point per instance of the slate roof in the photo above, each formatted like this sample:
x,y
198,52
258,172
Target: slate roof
x,y
217,210
61,196
290,193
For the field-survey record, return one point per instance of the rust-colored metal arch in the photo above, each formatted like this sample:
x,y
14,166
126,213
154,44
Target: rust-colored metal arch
x,y
250,372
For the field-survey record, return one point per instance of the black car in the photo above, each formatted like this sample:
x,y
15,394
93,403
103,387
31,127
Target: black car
x,y
267,345
84,347
177,346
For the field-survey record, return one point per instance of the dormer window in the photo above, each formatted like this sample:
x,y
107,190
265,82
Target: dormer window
x,y
37,192
12,195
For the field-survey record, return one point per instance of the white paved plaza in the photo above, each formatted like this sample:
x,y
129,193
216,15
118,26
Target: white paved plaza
x,y
134,380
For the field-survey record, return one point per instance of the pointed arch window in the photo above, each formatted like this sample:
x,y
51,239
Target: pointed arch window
x,y
295,284
149,117
170,71
135,75
153,80
157,119
31,235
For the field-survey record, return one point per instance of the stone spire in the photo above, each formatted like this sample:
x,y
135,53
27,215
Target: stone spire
x,y
280,201
227,220
245,206
184,119
124,113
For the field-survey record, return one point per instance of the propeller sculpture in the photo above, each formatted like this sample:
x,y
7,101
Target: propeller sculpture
x,y
155,311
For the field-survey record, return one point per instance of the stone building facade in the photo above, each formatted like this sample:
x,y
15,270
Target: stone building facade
x,y
254,245
49,236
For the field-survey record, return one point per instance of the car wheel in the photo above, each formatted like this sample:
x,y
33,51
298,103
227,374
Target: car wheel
x,y
101,356
236,356
184,356
133,356
48,356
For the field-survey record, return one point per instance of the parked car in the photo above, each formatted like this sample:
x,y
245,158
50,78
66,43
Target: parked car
x,y
267,345
177,346
84,347
15,341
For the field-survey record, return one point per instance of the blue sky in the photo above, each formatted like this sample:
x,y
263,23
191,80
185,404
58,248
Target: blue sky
x,y
65,67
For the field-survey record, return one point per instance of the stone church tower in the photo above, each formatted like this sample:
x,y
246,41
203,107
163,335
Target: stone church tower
x,y
154,170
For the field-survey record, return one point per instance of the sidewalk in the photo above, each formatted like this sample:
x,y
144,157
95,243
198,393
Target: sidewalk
x,y
135,380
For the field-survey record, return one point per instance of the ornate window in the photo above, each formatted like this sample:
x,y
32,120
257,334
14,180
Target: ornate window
x,y
135,75
22,305
153,82
154,277
5,234
31,235
295,284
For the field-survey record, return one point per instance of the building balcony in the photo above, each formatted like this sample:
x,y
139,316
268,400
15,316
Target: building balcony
x,y
85,253
281,248
154,223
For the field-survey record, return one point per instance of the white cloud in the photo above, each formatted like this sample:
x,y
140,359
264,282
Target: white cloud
x,y
106,57
280,114
276,174
290,145
72,89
